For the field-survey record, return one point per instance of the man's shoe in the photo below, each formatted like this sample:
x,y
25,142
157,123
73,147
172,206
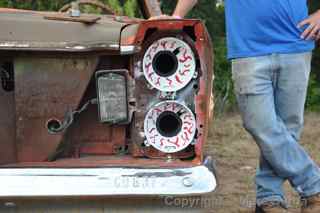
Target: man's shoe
x,y
271,207
311,204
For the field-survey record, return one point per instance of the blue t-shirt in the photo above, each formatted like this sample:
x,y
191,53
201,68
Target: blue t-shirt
x,y
262,27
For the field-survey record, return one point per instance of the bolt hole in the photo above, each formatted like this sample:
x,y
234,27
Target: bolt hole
x,y
121,149
131,103
53,125
195,86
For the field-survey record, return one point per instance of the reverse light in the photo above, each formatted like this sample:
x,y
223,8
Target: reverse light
x,y
112,96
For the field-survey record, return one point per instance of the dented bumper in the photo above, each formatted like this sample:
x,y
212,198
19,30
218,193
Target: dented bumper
x,y
107,181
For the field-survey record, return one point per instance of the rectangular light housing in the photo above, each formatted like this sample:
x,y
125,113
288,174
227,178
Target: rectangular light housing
x,y
112,96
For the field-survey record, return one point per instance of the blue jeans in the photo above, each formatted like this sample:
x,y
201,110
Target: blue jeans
x,y
271,93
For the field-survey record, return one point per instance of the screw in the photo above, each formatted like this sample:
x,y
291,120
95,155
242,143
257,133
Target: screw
x,y
188,181
146,142
195,75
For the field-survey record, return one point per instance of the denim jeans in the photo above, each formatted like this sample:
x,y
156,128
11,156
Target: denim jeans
x,y
271,93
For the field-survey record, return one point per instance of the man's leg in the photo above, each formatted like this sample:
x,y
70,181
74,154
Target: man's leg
x,y
269,186
290,96
254,77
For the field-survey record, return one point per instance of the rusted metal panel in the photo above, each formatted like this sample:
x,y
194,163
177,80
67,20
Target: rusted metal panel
x,y
203,99
7,127
162,25
88,136
31,31
46,88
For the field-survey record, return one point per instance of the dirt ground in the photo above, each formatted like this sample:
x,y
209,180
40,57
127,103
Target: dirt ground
x,y
236,157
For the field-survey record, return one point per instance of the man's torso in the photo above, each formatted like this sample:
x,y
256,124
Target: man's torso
x,y
260,27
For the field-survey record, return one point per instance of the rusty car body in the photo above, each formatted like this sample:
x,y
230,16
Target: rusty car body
x,y
96,105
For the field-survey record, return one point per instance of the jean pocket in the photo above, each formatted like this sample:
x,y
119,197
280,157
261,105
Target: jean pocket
x,y
250,76
243,81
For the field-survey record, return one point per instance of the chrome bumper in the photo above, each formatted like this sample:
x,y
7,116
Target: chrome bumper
x,y
106,181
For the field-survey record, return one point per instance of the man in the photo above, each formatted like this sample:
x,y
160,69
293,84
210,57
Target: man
x,y
270,44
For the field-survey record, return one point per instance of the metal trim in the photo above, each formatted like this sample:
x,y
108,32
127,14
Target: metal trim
x,y
106,182
128,49
58,46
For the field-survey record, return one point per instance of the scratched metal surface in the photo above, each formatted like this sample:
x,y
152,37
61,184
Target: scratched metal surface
x,y
41,94
27,30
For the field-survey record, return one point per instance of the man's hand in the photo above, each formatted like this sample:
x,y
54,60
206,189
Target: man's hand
x,y
164,17
182,8
312,31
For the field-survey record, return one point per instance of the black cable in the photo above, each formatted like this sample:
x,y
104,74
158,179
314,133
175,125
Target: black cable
x,y
69,117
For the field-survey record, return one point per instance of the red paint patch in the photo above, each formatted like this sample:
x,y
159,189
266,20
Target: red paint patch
x,y
185,57
178,79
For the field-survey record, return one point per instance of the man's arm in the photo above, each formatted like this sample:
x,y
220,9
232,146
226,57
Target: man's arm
x,y
182,9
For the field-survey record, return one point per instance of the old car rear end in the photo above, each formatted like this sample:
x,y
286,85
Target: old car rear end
x,y
115,106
